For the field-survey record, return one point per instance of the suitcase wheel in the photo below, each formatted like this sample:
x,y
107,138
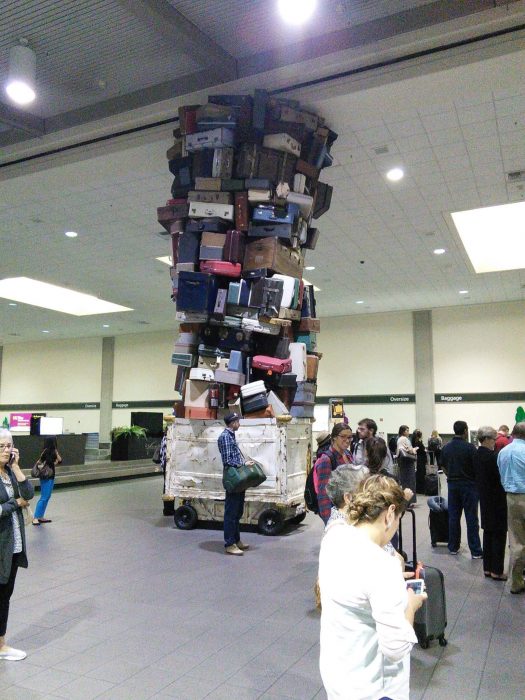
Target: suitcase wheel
x,y
424,643
442,641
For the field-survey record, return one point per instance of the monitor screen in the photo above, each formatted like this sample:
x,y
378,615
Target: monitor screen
x,y
51,426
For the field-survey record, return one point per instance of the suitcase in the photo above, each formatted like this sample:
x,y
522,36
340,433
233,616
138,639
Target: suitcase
x,y
222,163
177,150
180,378
308,170
256,195
252,389
210,197
302,201
236,361
290,114
210,252
258,183
283,142
198,413
215,138
275,215
197,292
311,325
191,317
238,293
312,236
438,526
302,411
290,285
241,211
169,214
323,198
182,171
203,163
188,119
430,620
260,101
266,295
219,310
210,238
308,306
267,412
283,231
298,357
309,339
205,210
229,377
234,246
305,393
208,224
242,106
182,359
272,254
188,247
232,185
202,374
254,403
220,267
312,367
299,183
210,184
272,364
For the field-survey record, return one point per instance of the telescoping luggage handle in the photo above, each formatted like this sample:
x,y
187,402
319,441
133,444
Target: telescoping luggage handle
x,y
414,552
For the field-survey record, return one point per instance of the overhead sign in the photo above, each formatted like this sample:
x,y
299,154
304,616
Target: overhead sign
x,y
19,422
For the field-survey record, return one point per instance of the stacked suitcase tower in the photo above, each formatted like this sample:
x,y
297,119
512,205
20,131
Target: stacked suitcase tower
x,y
245,193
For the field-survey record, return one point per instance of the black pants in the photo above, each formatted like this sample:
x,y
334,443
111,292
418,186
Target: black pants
x,y
6,591
494,551
407,475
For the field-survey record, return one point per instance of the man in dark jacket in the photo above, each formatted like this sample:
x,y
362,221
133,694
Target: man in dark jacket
x,y
457,460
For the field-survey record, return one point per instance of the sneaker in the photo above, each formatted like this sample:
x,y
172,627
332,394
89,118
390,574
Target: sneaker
x,y
11,654
456,551
233,549
243,546
477,556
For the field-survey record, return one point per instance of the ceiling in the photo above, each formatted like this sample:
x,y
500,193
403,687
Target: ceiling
x,y
454,119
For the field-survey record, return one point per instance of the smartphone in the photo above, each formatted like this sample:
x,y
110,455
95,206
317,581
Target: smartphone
x,y
11,458
417,585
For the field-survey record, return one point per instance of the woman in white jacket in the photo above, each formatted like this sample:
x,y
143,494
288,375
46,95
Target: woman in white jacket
x,y
367,612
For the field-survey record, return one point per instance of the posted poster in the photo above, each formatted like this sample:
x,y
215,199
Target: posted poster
x,y
20,422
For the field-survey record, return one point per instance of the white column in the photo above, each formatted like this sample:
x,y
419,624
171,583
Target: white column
x,y
424,372
106,390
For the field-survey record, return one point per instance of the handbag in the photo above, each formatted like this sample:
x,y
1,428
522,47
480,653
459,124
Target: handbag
x,y
41,470
246,476
407,455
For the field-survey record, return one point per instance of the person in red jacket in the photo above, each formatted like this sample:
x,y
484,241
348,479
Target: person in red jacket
x,y
502,439
338,453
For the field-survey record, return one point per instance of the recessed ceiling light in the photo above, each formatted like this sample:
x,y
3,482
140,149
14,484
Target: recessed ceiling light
x,y
50,296
493,236
45,331
166,259
105,325
395,174
360,302
439,251
296,11
310,267
463,291
12,303
71,234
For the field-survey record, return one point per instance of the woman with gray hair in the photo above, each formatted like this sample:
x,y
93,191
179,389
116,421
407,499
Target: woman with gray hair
x,y
343,482
493,504
15,494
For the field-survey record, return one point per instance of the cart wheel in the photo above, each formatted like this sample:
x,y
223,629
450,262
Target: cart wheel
x,y
424,643
185,517
168,508
442,641
270,522
299,518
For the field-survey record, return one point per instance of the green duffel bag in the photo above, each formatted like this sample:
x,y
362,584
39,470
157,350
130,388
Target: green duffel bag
x,y
247,476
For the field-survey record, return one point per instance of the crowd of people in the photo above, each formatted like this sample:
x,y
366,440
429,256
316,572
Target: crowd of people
x,y
367,612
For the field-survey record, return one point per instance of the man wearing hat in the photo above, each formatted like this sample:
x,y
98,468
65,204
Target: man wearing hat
x,y
234,502
323,443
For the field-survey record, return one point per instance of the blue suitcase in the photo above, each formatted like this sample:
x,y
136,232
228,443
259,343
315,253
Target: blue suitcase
x,y
212,224
270,231
197,292
188,247
276,215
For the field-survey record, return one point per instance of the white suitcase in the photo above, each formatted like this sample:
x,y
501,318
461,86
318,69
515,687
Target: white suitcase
x,y
289,284
298,358
259,195
200,210
227,377
304,201
283,142
278,406
187,339
215,138
256,326
253,388
202,374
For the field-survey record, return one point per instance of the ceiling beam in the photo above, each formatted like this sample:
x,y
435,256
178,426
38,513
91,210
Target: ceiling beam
x,y
22,121
186,36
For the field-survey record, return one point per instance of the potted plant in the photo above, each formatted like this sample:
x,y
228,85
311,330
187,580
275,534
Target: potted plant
x,y
128,442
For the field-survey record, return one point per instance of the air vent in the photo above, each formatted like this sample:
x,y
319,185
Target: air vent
x,y
381,150
516,176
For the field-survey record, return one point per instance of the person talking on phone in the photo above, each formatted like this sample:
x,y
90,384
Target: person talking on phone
x,y
15,493
51,458
367,613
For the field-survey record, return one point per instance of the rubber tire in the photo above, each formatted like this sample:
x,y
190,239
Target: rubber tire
x,y
185,517
424,643
442,641
168,508
298,519
270,522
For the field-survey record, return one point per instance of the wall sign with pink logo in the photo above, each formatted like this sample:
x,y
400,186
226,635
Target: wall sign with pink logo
x,y
20,422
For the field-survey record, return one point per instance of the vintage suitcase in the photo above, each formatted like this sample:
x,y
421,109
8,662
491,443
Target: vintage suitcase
x,y
185,267
272,364
259,196
241,211
258,183
221,267
210,238
309,339
252,389
268,164
238,293
234,246
283,142
312,236
219,310
259,326
181,169
223,163
167,215
302,411
323,198
202,374
289,286
227,376
188,119
210,197
236,361
298,357
266,295
211,116
311,325
299,183
210,184
177,150
242,106
203,163
283,231
235,339
213,223
210,252
197,292
305,393
308,306
276,215
232,185
254,403
180,378
215,138
270,253
267,412
188,247
205,210
303,201
305,168
289,114
260,100
198,413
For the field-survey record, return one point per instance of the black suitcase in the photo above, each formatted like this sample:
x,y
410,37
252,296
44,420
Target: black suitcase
x,y
430,620
438,526
431,485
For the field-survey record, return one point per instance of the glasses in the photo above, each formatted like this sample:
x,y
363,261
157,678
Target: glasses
x,y
8,446
345,437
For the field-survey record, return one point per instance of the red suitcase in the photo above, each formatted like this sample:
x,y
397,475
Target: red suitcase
x,y
235,245
274,364
241,211
220,267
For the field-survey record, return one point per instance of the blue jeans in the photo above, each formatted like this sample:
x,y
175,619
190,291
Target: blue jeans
x,y
463,496
46,489
233,510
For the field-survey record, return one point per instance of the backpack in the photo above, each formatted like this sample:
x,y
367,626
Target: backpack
x,y
392,444
310,496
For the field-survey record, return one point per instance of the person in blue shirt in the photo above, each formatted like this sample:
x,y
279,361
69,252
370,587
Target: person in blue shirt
x,y
511,465
234,502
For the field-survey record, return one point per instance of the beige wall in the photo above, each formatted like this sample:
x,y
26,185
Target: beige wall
x,y
143,368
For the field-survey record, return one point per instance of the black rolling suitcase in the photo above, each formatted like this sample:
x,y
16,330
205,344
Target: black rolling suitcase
x,y
438,519
431,619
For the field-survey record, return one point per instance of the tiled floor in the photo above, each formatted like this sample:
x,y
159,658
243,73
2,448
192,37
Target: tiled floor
x,y
117,604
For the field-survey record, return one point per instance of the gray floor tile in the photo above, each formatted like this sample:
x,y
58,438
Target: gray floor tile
x,y
296,685
190,688
230,692
83,688
17,692
115,671
49,679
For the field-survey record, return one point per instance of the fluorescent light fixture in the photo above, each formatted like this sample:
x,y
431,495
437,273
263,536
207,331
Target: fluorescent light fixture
x,y
316,289
71,234
494,237
166,259
439,251
12,303
463,291
296,11
20,85
395,174
310,267
50,296
105,325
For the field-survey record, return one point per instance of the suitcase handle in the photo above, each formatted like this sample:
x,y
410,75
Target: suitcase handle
x,y
414,552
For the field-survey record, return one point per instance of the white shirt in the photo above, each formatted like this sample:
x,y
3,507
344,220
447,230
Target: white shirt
x,y
365,637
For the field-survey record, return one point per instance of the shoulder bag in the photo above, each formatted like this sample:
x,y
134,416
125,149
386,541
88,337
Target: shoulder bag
x,y
246,476
41,470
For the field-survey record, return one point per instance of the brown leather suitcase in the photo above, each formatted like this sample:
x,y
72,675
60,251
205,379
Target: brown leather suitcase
x,y
272,254
235,246
306,169
166,215
241,211
312,367
212,197
210,184
188,119
312,325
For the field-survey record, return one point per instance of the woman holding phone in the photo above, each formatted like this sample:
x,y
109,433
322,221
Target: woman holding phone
x,y
15,493
51,458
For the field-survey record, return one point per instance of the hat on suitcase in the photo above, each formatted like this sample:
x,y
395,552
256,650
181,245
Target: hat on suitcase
x,y
322,438
231,418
